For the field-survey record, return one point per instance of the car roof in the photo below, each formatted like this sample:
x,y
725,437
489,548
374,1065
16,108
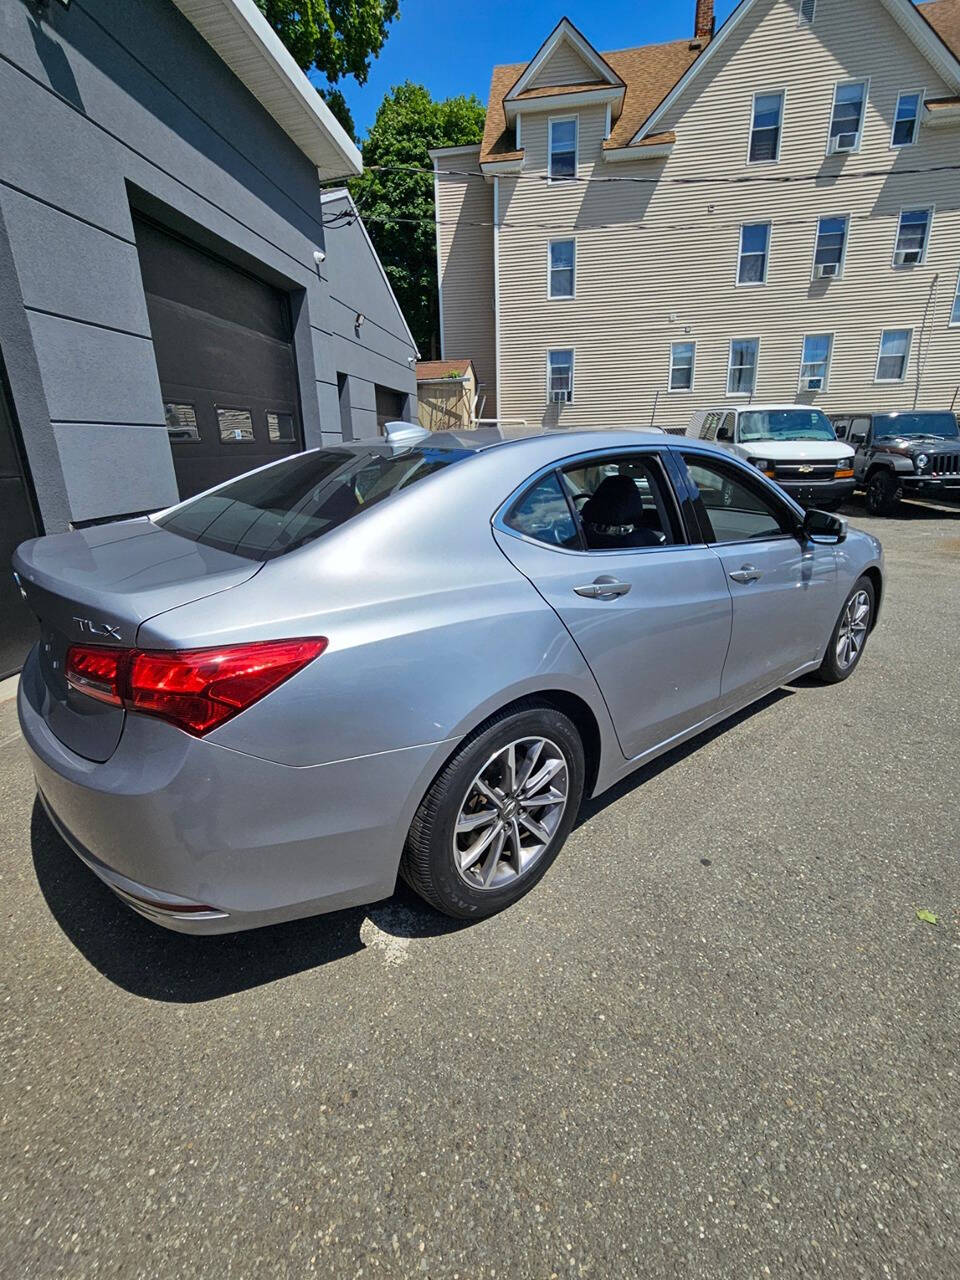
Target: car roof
x,y
761,406
483,439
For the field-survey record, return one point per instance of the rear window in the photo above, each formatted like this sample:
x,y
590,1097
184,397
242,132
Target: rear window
x,y
268,513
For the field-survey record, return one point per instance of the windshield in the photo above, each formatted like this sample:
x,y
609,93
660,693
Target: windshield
x,y
943,425
785,424
270,512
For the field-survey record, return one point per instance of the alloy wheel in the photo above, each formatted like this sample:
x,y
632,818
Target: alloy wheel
x,y
853,629
510,812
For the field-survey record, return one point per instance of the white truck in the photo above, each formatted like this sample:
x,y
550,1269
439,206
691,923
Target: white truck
x,y
791,443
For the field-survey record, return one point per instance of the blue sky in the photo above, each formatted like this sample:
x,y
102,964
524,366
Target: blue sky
x,y
451,48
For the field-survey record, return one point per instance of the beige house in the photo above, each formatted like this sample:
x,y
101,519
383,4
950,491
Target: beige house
x,y
769,212
447,394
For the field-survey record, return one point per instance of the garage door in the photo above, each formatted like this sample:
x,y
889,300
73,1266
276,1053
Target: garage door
x,y
389,405
223,343
17,629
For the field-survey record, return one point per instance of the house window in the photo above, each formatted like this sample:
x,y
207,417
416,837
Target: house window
x,y
682,355
754,240
846,122
906,119
765,129
807,10
562,268
831,246
563,148
893,355
955,313
560,377
913,234
815,362
742,367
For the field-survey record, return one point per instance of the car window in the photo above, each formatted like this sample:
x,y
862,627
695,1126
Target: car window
x,y
708,428
544,513
733,509
841,426
269,512
622,502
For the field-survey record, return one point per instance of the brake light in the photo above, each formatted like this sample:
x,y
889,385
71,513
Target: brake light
x,y
194,689
97,672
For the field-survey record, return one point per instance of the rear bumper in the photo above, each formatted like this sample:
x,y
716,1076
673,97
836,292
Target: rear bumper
x,y
172,823
809,494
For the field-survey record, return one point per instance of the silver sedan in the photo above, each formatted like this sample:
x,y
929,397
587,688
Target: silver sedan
x,y
416,654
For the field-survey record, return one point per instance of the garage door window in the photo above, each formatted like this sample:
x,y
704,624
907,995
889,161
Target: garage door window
x,y
181,421
280,426
236,425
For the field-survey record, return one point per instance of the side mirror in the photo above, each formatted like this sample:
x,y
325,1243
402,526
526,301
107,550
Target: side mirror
x,y
724,433
857,437
823,527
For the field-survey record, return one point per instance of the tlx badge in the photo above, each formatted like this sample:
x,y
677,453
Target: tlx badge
x,y
91,628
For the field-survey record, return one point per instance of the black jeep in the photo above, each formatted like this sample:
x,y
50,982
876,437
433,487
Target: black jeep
x,y
903,455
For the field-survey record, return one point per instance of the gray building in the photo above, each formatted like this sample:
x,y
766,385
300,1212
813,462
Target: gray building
x,y
173,308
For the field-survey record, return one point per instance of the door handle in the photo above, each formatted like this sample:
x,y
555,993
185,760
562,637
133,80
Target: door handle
x,y
746,573
603,588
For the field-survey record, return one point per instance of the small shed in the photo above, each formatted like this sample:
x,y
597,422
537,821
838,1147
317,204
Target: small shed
x,y
447,394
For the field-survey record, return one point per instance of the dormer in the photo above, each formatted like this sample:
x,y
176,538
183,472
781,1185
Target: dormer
x,y
566,72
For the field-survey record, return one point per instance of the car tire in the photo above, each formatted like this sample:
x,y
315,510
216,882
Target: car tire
x,y
849,636
883,493
439,859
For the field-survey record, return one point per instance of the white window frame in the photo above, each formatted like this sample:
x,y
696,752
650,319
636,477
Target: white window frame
x,y
842,84
907,93
843,253
767,93
573,365
754,284
743,395
801,20
894,382
818,333
551,121
683,342
913,208
951,323
561,297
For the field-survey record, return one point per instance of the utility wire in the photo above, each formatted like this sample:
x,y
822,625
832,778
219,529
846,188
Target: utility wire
x,y
693,180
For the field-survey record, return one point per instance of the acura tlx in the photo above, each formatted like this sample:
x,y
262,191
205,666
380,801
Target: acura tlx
x,y
415,654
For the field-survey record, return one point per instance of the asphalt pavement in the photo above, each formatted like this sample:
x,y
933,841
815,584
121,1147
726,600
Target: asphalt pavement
x,y
716,1041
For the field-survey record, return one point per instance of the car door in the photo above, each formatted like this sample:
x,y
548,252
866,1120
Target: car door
x,y
650,612
782,587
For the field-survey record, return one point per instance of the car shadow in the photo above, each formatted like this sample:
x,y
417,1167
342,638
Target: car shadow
x,y
646,772
157,964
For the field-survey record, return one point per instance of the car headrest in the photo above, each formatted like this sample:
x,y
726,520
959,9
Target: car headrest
x,y
615,504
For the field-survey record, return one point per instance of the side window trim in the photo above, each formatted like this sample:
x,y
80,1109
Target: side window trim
x,y
785,514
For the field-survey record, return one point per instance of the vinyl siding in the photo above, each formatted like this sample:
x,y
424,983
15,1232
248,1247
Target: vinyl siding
x,y
657,262
465,254
564,66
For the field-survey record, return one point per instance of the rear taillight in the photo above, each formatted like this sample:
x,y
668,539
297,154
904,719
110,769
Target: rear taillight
x,y
195,689
97,672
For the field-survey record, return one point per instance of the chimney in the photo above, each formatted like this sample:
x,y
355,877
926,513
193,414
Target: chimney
x,y
703,23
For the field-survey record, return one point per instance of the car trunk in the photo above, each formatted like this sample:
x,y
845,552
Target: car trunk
x,y
95,587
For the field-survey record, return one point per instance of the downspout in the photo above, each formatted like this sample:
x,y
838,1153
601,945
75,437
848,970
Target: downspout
x,y
923,354
496,285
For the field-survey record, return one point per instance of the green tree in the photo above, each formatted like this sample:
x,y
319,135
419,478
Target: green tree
x,y
397,204
336,38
